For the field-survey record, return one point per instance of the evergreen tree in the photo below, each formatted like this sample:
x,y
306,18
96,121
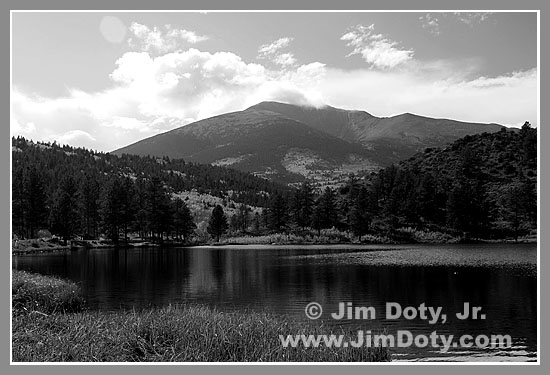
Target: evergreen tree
x,y
243,217
528,137
360,216
18,202
217,225
35,209
89,206
183,220
277,214
325,214
64,215
349,192
158,208
256,223
126,193
303,205
111,210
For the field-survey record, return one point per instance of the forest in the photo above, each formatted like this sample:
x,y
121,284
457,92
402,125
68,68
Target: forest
x,y
479,187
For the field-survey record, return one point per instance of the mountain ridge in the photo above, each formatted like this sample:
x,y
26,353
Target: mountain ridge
x,y
288,143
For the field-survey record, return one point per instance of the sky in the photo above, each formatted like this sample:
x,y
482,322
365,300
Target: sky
x,y
105,80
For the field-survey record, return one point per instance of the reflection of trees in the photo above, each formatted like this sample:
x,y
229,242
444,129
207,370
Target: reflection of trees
x,y
281,283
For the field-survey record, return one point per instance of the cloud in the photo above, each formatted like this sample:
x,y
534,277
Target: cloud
x,y
151,94
274,47
471,19
273,52
507,99
74,136
162,40
196,84
430,23
376,49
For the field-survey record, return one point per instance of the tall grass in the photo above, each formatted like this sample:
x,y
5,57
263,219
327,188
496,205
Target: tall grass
x,y
174,333
34,293
306,236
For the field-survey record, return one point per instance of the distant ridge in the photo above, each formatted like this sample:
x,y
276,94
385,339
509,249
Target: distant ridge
x,y
288,143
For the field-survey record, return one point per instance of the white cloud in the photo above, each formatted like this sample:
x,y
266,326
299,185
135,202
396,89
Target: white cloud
x,y
430,23
26,130
154,94
162,40
272,51
285,59
508,99
154,91
376,49
72,136
471,19
274,47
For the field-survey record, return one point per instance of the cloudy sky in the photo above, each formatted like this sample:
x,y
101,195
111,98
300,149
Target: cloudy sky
x,y
105,80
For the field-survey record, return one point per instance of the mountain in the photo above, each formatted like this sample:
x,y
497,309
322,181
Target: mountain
x,y
262,142
286,142
54,162
392,138
484,185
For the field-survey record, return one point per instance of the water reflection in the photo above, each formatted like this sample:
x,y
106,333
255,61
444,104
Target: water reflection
x,y
285,280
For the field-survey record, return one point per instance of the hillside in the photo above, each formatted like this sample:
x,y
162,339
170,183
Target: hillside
x,y
74,191
288,143
55,161
392,138
258,141
483,185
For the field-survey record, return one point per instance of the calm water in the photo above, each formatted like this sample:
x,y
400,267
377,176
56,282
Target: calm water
x,y
284,279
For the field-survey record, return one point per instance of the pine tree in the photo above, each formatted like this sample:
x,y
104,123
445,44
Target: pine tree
x,y
183,219
158,208
303,205
217,225
325,212
360,217
126,193
89,206
277,214
111,210
18,202
64,213
35,209
243,215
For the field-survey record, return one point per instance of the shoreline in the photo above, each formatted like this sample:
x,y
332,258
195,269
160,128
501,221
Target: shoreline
x,y
49,316
230,244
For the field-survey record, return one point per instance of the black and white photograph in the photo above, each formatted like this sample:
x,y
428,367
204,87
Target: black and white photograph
x,y
258,187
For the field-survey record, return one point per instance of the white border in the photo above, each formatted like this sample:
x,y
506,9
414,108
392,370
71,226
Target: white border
x,y
408,363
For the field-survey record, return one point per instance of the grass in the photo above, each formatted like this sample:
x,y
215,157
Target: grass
x,y
173,333
33,293
36,245
305,236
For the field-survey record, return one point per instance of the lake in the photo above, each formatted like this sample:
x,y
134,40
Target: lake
x,y
501,278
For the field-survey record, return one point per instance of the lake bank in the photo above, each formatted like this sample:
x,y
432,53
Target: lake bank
x,y
48,326
40,245
283,279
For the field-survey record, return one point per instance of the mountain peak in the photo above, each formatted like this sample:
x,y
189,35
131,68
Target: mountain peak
x,y
274,104
280,140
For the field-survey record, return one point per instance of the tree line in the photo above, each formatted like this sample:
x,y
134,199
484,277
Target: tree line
x,y
74,192
481,186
